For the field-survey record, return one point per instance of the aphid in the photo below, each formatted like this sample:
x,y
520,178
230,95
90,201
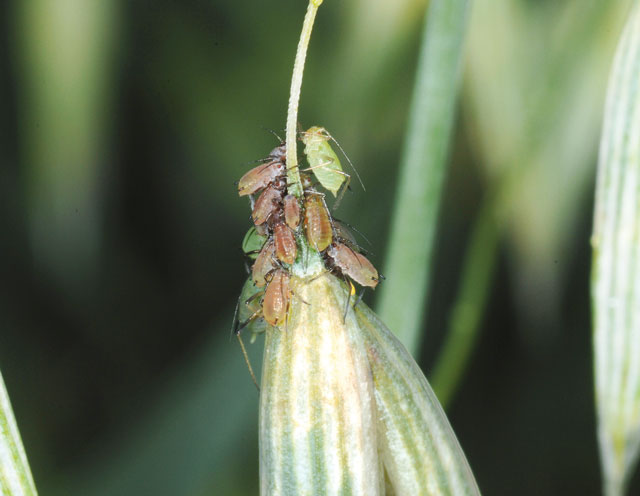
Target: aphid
x,y
264,264
264,174
248,308
267,203
323,161
275,303
253,243
291,211
342,233
317,222
285,241
353,265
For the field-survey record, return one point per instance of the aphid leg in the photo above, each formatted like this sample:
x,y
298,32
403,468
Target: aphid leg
x,y
352,291
344,188
248,362
244,324
234,322
300,297
359,297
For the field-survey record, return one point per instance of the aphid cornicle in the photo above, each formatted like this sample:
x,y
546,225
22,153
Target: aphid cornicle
x,y
267,204
264,174
285,241
317,222
264,264
291,209
275,303
353,265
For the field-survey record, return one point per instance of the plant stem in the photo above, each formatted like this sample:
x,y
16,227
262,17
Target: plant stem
x,y
293,176
408,263
466,315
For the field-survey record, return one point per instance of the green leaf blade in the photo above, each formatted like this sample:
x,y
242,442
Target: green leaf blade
x,y
15,474
422,171
616,267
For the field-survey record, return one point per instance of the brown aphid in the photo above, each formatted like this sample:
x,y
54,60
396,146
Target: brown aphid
x,y
275,303
285,241
261,176
264,264
267,203
317,222
291,211
353,264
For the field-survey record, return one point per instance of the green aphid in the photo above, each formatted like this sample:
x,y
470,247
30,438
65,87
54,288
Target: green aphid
x,y
249,306
253,243
323,161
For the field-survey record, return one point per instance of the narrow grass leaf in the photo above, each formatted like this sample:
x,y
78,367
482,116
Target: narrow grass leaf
x,y
422,168
15,475
616,267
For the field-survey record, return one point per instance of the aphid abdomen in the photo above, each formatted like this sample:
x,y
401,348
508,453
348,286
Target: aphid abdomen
x,y
260,177
276,298
291,211
266,204
263,264
354,265
285,241
317,222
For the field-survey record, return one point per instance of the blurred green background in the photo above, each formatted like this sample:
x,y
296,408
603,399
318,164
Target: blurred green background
x,y
123,128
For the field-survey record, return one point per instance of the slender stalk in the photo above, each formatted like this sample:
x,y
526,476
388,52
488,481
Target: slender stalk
x,y
293,176
15,475
408,263
466,315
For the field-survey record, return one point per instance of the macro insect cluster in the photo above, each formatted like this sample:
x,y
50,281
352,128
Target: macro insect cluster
x,y
283,223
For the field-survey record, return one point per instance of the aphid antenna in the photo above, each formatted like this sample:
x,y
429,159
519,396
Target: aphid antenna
x,y
274,133
248,362
256,161
359,297
347,157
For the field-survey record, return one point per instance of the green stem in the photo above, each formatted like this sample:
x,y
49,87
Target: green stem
x,y
293,176
470,303
408,263
15,475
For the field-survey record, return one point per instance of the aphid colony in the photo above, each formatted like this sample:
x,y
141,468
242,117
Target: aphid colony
x,y
282,222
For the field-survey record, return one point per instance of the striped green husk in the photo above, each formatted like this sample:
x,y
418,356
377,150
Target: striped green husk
x,y
616,268
15,475
345,409
419,449
317,424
